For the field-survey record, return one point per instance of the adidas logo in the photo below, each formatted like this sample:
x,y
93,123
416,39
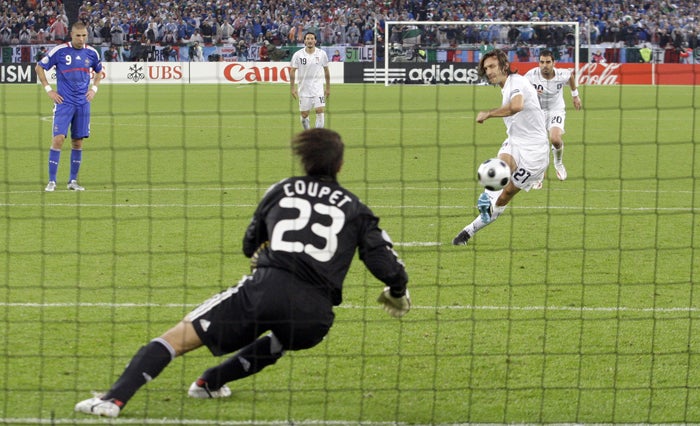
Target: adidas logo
x,y
204,324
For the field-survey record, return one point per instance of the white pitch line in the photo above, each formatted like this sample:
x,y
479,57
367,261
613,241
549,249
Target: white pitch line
x,y
165,421
374,206
686,309
263,188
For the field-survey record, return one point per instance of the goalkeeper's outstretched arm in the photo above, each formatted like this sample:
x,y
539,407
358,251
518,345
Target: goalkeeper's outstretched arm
x,y
384,263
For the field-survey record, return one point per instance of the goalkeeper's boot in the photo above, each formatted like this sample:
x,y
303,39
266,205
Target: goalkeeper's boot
x,y
561,170
200,389
50,187
73,186
484,206
98,407
462,238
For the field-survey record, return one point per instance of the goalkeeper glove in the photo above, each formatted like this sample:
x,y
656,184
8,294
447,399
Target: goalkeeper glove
x,y
396,306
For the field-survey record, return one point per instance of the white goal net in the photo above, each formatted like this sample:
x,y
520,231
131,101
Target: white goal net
x,y
448,52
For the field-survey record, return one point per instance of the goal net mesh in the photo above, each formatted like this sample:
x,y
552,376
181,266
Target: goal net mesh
x,y
578,305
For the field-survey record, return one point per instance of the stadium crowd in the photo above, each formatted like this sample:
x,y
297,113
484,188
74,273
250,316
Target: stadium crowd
x,y
347,22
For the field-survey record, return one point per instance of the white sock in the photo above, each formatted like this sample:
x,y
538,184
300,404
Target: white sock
x,y
558,153
478,224
497,211
305,123
319,120
493,195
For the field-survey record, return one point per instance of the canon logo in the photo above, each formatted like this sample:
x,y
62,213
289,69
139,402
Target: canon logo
x,y
241,73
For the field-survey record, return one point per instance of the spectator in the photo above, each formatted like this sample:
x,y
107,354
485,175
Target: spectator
x,y
196,53
126,53
225,32
196,37
263,55
40,54
242,51
117,34
33,36
169,38
368,35
513,34
353,35
112,54
275,53
59,29
94,36
169,54
105,32
207,31
151,34
24,36
598,57
5,35
645,52
41,36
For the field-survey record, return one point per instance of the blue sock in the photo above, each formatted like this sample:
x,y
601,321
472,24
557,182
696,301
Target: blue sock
x,y
54,157
76,156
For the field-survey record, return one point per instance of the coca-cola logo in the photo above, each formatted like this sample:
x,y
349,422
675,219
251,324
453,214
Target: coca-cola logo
x,y
600,74
238,72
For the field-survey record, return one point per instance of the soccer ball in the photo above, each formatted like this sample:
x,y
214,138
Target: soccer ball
x,y
493,174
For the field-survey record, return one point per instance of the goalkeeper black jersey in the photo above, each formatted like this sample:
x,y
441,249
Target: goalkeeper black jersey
x,y
311,227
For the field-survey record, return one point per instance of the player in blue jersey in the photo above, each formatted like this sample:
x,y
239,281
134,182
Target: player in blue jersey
x,y
74,62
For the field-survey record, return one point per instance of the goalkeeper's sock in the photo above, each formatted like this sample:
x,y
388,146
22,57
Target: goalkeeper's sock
x,y
246,362
145,366
76,157
54,158
558,153
305,123
320,120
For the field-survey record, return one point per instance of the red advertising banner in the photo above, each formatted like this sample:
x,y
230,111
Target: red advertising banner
x,y
614,74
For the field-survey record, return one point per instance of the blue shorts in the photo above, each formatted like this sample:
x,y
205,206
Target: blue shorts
x,y
75,116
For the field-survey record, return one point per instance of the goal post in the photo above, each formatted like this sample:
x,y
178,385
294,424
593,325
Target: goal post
x,y
447,52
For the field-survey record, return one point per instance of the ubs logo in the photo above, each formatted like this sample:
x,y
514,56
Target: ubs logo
x,y
136,73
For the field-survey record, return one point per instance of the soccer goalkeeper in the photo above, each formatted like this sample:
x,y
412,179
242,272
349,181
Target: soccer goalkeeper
x,y
301,240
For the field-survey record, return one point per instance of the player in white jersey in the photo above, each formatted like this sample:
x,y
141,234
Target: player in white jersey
x,y
525,150
549,83
312,66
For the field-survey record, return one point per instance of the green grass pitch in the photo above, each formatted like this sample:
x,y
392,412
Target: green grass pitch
x,y
577,306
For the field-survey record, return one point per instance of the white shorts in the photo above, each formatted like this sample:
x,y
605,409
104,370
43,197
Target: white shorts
x,y
531,166
307,104
555,119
